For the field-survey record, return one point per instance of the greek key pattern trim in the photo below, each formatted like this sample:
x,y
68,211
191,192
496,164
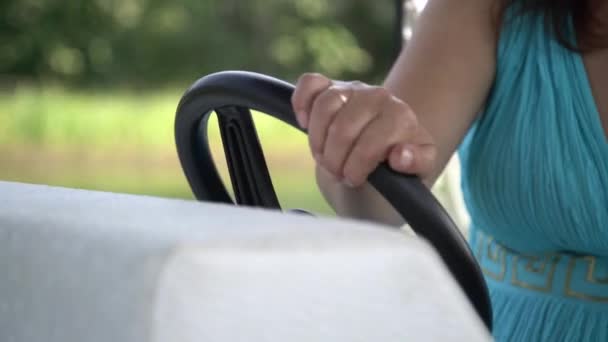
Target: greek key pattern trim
x,y
538,272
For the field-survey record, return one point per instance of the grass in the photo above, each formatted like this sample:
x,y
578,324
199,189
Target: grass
x,y
59,118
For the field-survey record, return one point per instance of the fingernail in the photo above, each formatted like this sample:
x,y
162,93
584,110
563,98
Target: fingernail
x,y
301,117
407,157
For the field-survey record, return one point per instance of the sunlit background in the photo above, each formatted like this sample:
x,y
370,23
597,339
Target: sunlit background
x,y
89,88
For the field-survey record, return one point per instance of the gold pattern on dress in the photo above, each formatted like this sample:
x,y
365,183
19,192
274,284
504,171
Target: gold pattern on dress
x,y
590,278
539,271
497,255
536,266
591,271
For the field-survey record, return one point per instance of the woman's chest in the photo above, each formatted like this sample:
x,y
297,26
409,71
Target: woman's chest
x,y
535,169
537,164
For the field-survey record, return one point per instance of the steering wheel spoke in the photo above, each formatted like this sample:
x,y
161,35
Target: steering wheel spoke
x,y
249,174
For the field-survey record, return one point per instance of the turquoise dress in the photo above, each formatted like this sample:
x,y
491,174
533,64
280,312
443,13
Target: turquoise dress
x,y
535,182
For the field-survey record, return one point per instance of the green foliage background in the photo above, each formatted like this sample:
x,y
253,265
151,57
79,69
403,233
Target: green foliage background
x,y
151,43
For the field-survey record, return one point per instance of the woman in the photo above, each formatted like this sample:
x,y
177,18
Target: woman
x,y
520,88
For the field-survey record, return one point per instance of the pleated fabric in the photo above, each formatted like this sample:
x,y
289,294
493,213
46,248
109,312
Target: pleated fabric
x,y
520,316
535,178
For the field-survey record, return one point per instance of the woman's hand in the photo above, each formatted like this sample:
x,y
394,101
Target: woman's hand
x,y
445,73
352,127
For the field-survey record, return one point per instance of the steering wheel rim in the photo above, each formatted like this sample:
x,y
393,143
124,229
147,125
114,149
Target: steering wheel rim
x,y
405,193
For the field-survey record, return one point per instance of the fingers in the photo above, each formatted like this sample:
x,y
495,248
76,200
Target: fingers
x,y
363,107
353,127
326,107
416,159
308,87
394,126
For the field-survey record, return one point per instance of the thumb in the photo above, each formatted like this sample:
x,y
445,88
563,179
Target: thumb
x,y
413,159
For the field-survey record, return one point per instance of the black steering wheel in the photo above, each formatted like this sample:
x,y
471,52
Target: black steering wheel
x,y
231,95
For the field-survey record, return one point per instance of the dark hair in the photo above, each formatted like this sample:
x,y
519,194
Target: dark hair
x,y
590,30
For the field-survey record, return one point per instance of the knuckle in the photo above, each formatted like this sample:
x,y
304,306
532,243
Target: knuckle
x,y
332,165
367,155
394,119
401,106
356,178
358,84
330,95
353,172
332,91
302,80
340,133
410,123
358,175
396,125
380,93
406,119
310,81
311,76
304,84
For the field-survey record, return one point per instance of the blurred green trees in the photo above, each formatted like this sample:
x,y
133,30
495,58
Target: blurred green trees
x,y
151,43
88,88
